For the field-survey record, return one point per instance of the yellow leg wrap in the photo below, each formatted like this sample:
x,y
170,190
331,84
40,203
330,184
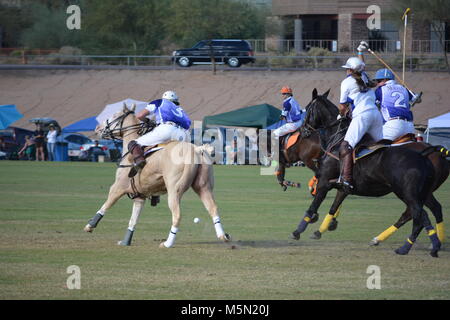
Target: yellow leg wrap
x,y
440,231
387,233
431,232
325,223
307,219
338,211
410,242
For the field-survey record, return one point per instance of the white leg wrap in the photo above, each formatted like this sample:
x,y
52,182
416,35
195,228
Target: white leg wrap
x,y
218,227
171,238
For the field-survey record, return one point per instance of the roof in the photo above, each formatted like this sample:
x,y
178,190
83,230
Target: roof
x,y
442,121
258,116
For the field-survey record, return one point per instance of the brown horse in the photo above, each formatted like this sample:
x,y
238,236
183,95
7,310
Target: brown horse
x,y
436,155
174,169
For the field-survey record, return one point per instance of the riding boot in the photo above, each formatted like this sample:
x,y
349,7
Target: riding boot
x,y
346,162
138,154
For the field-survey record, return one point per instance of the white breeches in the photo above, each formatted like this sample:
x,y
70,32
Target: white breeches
x,y
394,129
163,133
370,121
287,128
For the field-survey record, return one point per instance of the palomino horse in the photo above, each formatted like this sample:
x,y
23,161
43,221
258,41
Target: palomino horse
x,y
400,170
172,170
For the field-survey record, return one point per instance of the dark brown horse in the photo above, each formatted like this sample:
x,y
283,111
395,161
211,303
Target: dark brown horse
x,y
375,176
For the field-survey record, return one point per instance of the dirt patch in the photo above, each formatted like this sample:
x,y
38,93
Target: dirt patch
x,y
69,96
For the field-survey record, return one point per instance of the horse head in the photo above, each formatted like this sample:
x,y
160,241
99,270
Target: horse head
x,y
119,123
320,112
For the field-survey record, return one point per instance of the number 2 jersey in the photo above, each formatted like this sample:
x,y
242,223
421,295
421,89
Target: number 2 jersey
x,y
394,101
167,111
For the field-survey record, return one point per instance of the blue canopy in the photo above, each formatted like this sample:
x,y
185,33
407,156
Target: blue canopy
x,y
87,124
8,115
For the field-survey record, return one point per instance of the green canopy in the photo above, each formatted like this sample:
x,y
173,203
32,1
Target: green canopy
x,y
259,116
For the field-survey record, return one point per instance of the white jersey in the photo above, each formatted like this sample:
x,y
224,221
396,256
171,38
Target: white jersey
x,y
359,101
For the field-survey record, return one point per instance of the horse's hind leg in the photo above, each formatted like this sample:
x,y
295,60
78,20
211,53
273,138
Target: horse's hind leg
x,y
138,205
173,198
115,193
436,210
404,218
420,221
207,198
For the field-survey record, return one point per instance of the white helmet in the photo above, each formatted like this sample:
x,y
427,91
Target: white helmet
x,y
170,95
354,63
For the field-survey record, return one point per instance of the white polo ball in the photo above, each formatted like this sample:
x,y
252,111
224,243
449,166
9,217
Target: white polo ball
x,y
196,220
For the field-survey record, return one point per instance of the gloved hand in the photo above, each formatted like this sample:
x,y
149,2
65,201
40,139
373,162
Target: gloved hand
x,y
363,46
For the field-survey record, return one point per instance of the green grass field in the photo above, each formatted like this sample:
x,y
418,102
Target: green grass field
x,y
44,207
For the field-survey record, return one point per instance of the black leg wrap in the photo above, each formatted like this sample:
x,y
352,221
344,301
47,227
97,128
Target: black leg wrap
x,y
95,220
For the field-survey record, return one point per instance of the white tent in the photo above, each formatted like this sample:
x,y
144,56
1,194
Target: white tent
x,y
111,109
441,122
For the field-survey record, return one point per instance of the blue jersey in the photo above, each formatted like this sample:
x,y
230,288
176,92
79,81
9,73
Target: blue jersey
x,y
167,111
291,110
394,101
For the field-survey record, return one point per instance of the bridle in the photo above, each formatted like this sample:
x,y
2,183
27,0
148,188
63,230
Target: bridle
x,y
122,131
334,140
119,130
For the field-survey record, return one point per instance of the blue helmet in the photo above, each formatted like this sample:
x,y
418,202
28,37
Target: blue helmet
x,y
384,74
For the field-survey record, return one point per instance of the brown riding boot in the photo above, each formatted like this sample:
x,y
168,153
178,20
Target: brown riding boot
x,y
346,162
138,154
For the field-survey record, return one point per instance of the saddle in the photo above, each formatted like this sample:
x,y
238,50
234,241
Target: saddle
x,y
288,141
148,151
367,146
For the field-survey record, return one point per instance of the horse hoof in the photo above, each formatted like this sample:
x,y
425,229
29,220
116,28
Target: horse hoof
x,y
314,218
374,242
88,228
333,225
434,254
225,238
295,235
163,246
401,252
316,235
122,243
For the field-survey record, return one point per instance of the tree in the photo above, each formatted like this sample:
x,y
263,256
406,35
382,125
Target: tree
x,y
195,20
432,12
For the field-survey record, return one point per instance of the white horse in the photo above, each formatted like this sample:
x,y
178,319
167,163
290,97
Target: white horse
x,y
174,169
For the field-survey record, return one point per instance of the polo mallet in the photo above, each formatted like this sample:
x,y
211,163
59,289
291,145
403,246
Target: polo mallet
x,y
396,75
405,18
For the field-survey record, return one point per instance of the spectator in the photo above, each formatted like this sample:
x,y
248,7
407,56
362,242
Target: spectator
x,y
95,151
39,143
28,149
51,142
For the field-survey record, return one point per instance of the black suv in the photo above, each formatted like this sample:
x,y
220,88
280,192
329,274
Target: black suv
x,y
231,52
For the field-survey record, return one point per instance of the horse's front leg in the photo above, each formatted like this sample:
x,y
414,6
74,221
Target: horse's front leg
x,y
138,205
330,222
311,215
280,173
115,193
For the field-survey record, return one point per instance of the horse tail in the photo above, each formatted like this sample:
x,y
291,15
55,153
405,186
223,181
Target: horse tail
x,y
445,153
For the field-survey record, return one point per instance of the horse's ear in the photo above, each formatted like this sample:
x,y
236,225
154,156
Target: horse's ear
x,y
314,93
133,107
125,108
325,95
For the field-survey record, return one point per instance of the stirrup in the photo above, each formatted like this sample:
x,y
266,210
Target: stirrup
x,y
345,186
